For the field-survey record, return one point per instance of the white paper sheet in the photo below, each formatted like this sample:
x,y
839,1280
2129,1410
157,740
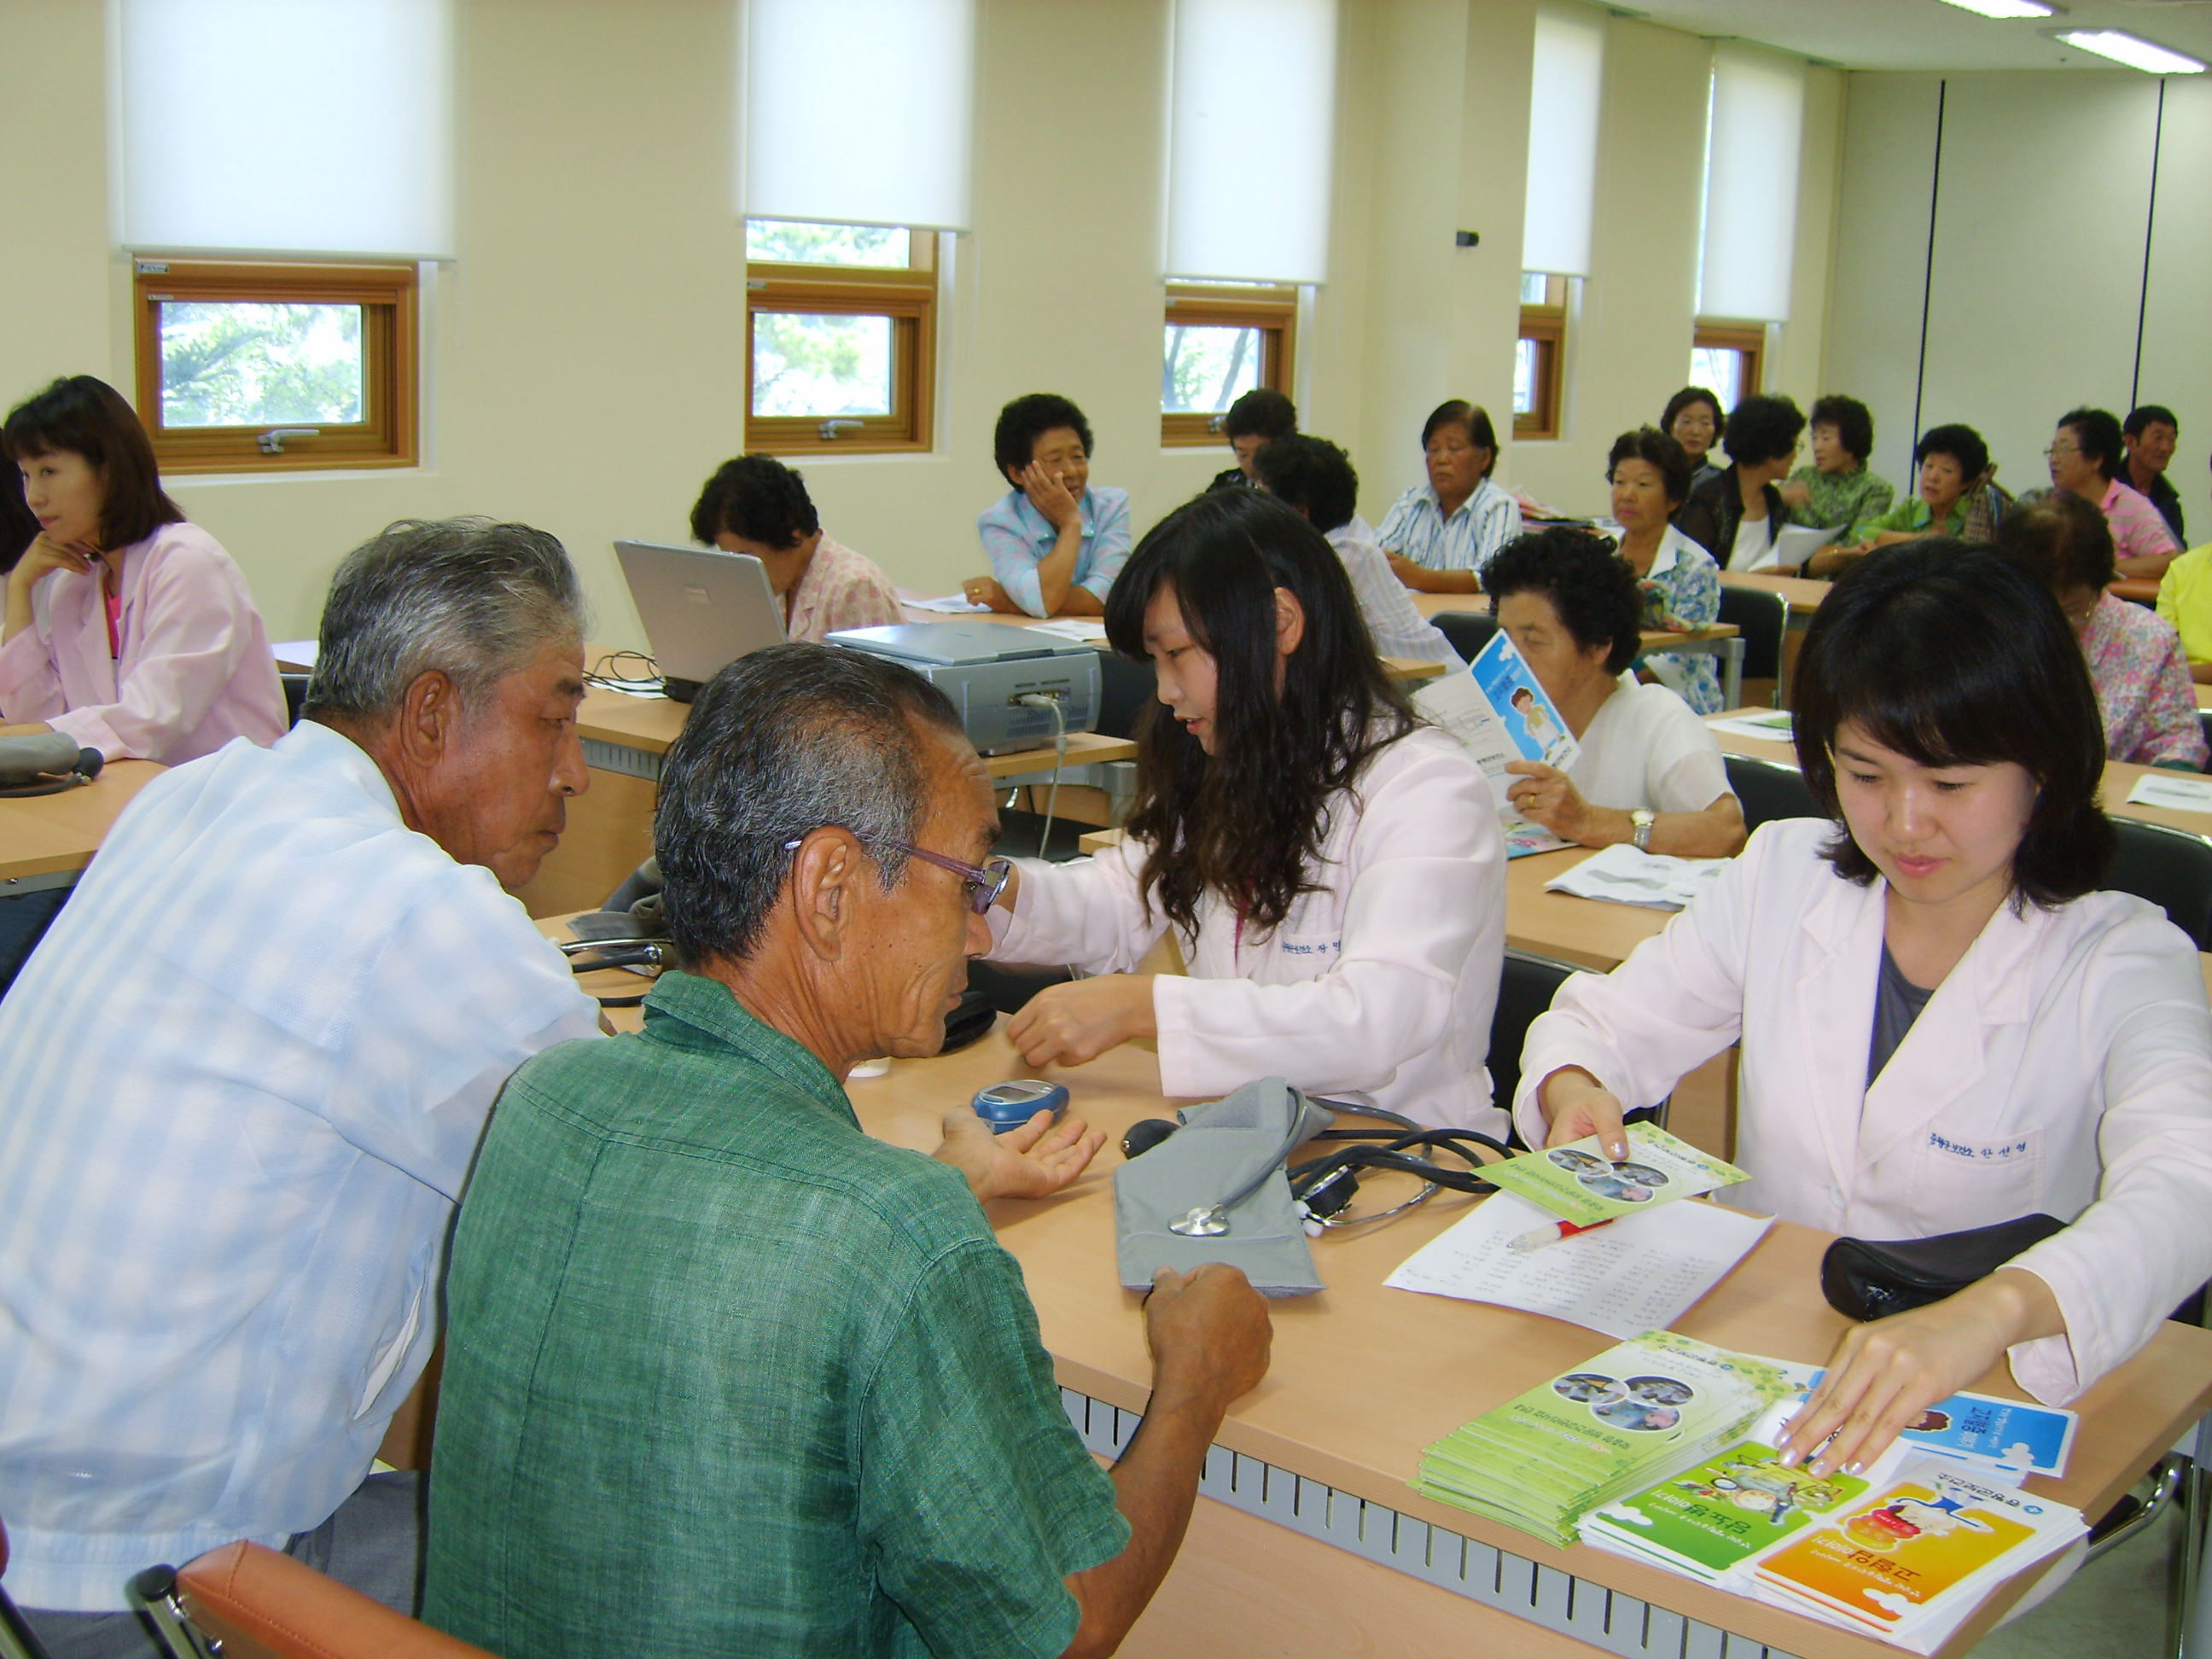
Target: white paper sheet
x,y
299,651
1620,875
1636,1274
954,605
2177,790
1089,630
1772,728
1798,543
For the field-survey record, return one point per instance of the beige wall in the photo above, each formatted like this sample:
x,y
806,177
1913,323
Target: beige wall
x,y
585,367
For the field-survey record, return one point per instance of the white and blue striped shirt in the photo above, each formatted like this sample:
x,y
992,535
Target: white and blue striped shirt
x,y
246,1074
1416,528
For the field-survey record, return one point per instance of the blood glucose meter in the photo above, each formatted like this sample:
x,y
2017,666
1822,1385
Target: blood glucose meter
x,y
1006,1106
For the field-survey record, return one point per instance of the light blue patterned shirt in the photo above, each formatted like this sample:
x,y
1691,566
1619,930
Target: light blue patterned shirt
x,y
1692,581
246,1074
1416,528
1016,536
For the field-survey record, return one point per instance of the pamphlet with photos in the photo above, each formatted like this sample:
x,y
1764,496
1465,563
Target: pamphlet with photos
x,y
1578,1183
1656,1402
1503,714
2008,1434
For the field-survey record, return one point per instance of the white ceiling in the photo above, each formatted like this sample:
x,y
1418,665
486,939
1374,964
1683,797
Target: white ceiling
x,y
1926,34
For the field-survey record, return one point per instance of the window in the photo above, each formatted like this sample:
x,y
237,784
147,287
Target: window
x,y
1726,359
840,338
276,367
1538,357
1222,340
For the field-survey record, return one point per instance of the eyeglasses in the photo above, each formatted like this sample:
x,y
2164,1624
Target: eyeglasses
x,y
2061,449
984,883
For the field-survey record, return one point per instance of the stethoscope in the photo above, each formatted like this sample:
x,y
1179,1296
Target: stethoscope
x,y
653,953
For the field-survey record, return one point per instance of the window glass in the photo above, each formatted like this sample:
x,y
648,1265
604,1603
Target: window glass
x,y
1719,370
238,363
1525,354
813,363
1534,288
1204,369
786,241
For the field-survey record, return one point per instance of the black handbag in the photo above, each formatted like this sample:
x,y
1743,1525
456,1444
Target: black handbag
x,y
1872,1278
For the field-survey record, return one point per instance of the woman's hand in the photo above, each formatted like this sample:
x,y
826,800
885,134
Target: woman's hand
x,y
41,560
1033,1161
1884,1375
1547,796
1577,1107
1796,493
1050,495
985,591
1079,1021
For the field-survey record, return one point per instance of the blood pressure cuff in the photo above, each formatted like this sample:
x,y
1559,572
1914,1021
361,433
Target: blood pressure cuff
x,y
1865,1279
1221,1146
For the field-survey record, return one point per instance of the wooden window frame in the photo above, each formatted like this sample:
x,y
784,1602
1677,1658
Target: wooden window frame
x,y
1273,311
1545,325
907,295
1747,340
390,347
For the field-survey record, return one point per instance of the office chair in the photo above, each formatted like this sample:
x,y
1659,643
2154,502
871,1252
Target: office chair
x,y
16,1641
295,694
1126,690
242,1602
2172,868
1525,989
1467,630
1762,619
1769,789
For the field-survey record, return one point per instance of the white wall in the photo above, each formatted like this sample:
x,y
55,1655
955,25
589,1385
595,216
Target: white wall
x,y
585,350
2036,283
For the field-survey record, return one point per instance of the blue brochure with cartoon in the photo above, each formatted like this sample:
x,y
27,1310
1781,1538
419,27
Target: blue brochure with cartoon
x,y
1502,715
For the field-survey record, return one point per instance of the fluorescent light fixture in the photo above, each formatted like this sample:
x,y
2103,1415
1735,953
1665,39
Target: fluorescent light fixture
x,y
2003,7
2131,49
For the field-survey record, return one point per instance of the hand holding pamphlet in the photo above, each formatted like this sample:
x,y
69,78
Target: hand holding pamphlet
x,y
1503,714
1578,1183
2011,1438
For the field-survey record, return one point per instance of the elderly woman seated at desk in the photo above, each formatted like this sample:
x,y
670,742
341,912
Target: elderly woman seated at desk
x,y
1440,535
1055,543
1957,497
1650,479
1693,419
1838,491
1649,772
1943,1026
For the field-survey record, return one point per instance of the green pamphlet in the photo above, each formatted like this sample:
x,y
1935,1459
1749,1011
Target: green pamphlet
x,y
1718,1514
1578,1183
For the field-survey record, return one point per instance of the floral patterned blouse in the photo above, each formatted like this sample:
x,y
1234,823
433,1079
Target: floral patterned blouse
x,y
2143,689
1688,580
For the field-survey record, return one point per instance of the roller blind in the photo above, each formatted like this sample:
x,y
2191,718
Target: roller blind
x,y
1750,185
282,126
1251,146
858,112
1564,95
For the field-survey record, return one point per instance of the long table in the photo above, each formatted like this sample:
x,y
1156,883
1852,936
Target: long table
x,y
46,841
1307,1536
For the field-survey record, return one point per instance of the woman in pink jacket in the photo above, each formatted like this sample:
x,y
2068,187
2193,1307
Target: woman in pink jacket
x,y
126,628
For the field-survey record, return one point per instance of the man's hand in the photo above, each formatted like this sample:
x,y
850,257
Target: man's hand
x,y
1033,1161
1208,1330
1577,1108
1884,1375
1547,796
1050,495
1422,579
1070,1023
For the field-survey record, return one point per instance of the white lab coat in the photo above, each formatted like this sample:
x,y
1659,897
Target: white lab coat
x,y
1380,985
2065,1066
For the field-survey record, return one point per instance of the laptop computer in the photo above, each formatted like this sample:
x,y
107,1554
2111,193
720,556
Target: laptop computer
x,y
703,609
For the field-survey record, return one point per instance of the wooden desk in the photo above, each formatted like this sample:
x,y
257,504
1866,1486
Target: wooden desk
x,y
1803,592
48,841
1364,1377
2137,590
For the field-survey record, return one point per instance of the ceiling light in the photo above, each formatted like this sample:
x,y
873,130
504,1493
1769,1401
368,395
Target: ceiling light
x,y
2131,49
2003,7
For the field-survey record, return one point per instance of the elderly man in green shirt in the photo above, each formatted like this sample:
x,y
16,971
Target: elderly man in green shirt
x,y
725,1376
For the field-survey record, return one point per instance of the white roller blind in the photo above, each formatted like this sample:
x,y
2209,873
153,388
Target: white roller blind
x,y
858,112
1750,185
1252,130
287,126
1564,95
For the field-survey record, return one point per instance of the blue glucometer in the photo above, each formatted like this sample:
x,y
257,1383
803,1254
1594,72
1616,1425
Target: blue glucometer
x,y
1006,1106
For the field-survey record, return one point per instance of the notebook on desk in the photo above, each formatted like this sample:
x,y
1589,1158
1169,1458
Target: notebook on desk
x,y
703,609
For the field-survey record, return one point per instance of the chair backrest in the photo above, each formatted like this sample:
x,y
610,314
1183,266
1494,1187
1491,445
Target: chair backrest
x,y
295,694
261,1605
1763,618
1126,690
1467,630
1767,790
2204,722
1525,989
2172,868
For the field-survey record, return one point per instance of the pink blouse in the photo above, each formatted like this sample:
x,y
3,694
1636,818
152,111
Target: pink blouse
x,y
2143,689
2139,529
192,669
840,589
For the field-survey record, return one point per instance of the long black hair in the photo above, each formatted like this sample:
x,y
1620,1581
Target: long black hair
x,y
1249,820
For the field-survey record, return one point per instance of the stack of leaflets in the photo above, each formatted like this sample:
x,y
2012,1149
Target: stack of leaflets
x,y
1578,1183
1656,1402
1909,1560
1503,714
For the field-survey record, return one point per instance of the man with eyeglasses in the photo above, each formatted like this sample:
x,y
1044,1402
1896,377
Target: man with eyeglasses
x,y
725,1375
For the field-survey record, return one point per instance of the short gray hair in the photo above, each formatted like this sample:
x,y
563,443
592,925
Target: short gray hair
x,y
468,598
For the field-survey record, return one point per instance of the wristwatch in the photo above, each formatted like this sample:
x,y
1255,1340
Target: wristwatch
x,y
1642,817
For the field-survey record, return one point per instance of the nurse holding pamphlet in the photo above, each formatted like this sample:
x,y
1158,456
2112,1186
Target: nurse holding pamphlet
x,y
1944,1026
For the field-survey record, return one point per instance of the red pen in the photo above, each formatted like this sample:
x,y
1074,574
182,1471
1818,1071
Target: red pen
x,y
1550,1233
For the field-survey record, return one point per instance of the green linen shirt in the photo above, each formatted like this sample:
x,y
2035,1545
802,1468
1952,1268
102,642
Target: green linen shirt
x,y
725,1376
1849,499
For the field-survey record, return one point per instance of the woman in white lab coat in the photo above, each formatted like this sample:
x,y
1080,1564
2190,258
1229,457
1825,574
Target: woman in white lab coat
x,y
1332,868
1943,1026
